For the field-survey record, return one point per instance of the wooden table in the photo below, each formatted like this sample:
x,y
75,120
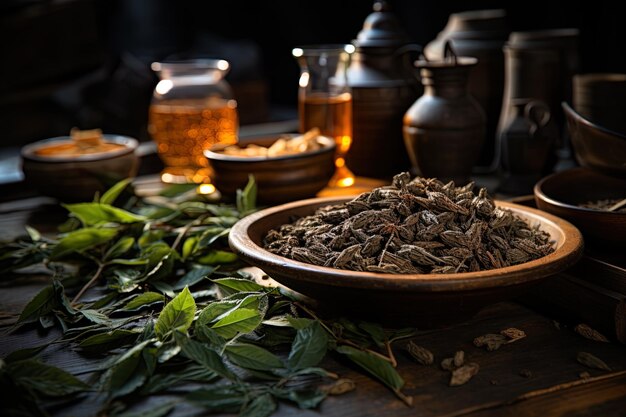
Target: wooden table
x,y
538,375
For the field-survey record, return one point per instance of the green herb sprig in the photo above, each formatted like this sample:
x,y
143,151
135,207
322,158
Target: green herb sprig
x,y
150,291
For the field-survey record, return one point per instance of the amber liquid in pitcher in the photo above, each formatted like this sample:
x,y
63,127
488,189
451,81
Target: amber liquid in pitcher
x,y
331,115
184,128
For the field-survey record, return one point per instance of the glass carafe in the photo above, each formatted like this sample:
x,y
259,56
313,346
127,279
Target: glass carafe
x,y
325,100
192,109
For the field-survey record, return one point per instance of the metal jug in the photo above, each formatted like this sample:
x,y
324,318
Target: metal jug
x,y
384,85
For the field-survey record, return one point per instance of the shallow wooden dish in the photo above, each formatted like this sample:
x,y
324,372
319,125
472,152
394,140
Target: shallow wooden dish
x,y
422,300
561,193
279,179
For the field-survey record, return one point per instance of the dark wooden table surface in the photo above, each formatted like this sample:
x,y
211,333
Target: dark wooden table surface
x,y
536,376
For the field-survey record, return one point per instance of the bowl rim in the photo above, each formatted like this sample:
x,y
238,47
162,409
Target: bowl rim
x,y
574,114
213,153
540,194
130,145
564,256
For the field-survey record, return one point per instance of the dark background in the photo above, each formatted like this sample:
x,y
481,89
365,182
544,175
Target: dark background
x,y
86,63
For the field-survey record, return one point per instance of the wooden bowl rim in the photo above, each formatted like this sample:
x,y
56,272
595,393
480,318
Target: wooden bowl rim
x,y
213,153
541,194
565,255
130,145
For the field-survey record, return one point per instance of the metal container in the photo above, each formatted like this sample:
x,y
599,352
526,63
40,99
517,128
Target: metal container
x,y
445,129
480,34
384,85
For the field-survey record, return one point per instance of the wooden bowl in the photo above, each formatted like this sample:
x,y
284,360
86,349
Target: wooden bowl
x,y
279,179
595,146
422,300
561,193
78,178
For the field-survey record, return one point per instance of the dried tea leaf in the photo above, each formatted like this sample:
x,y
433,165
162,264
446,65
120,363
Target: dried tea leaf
x,y
420,354
463,374
491,341
589,333
592,361
448,364
341,386
513,334
459,359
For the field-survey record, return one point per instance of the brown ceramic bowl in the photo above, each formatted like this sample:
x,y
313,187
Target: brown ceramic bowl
x,y
78,178
561,193
422,300
596,147
279,179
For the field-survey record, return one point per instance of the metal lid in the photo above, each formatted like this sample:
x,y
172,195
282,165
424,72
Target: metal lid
x,y
381,29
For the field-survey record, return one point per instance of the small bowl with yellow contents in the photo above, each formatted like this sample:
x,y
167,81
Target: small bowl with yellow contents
x,y
74,168
286,168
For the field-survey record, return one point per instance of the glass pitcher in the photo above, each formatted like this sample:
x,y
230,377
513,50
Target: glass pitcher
x,y
325,100
192,109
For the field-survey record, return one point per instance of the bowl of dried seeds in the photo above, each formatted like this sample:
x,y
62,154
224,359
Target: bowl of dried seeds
x,y
594,202
416,252
286,167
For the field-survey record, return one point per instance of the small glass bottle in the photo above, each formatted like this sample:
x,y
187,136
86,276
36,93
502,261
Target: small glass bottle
x,y
325,100
192,109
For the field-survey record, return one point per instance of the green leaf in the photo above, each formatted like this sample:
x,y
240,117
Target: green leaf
x,y
91,214
305,399
252,357
177,189
225,398
233,285
40,305
96,317
33,233
120,248
246,199
112,193
308,348
189,247
143,300
163,382
23,354
178,314
261,406
239,321
217,257
375,331
104,342
160,410
149,237
128,373
203,355
80,240
194,276
375,366
46,379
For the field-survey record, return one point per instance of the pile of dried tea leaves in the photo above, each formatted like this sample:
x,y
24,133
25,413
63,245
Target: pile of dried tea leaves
x,y
413,226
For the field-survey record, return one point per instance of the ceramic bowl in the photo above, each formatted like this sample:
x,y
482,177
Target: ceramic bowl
x,y
561,193
279,179
78,178
422,300
595,146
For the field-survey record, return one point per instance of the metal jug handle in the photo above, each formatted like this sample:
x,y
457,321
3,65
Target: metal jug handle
x,y
449,52
538,115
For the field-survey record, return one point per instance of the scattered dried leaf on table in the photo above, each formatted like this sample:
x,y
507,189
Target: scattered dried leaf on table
x,y
341,386
463,374
513,334
589,333
448,364
491,341
420,354
592,361
459,359
584,375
